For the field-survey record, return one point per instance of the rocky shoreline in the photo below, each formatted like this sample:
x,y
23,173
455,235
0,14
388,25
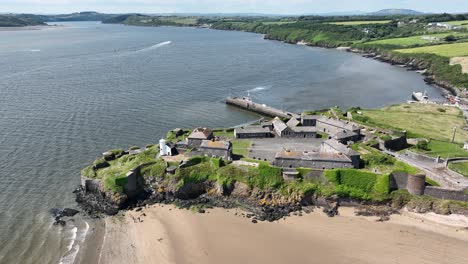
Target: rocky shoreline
x,y
261,205
411,64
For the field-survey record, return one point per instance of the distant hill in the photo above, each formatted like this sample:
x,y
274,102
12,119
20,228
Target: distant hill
x,y
390,12
11,20
79,16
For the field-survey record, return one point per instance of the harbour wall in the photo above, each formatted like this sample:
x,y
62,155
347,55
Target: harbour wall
x,y
260,108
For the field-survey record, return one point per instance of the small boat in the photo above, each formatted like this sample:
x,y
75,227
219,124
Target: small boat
x,y
419,96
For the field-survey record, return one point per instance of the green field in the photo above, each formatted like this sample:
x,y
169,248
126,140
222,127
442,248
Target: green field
x,y
444,149
461,168
420,120
415,40
180,20
447,50
241,147
355,23
463,23
278,22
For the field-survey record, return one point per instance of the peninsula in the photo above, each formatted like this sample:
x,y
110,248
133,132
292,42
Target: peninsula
x,y
276,167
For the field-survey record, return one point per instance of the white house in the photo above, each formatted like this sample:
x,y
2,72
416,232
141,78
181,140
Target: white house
x,y
164,149
465,147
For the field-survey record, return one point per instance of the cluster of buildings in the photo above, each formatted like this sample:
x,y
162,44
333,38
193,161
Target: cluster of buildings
x,y
286,129
306,126
441,26
201,142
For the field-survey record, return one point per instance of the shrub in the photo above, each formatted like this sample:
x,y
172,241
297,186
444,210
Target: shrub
x,y
422,145
134,148
149,146
378,158
441,110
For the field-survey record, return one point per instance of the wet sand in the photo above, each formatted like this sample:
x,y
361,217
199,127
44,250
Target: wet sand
x,y
170,235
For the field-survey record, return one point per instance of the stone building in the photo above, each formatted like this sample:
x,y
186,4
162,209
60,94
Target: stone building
x,y
210,148
309,120
332,155
198,135
253,132
292,129
345,136
333,126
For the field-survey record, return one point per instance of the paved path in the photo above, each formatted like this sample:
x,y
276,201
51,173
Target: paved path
x,y
436,171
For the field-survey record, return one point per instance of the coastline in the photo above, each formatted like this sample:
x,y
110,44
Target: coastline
x,y
29,28
226,236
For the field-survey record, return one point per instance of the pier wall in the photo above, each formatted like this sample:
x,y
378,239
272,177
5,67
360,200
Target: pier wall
x,y
260,109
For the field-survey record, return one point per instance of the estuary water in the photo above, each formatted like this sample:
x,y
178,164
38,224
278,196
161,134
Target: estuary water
x,y
69,93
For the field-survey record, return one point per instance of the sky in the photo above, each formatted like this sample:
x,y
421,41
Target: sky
x,y
227,6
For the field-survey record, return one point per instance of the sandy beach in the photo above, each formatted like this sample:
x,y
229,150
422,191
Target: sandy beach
x,y
166,234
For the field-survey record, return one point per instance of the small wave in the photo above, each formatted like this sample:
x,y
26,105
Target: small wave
x,y
73,246
154,47
34,50
258,89
72,238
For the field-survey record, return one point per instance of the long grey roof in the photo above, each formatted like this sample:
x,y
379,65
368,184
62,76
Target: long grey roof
x,y
338,123
340,148
252,129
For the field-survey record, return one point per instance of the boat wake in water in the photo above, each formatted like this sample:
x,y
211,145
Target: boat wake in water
x,y
258,89
162,44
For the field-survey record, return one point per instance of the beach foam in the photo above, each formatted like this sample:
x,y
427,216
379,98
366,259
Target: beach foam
x,y
77,238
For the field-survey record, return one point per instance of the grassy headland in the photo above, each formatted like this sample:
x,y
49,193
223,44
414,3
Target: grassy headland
x,y
419,120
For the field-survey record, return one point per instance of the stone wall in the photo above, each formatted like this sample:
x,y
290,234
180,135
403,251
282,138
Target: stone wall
x,y
421,157
395,144
320,164
398,180
91,185
447,194
210,152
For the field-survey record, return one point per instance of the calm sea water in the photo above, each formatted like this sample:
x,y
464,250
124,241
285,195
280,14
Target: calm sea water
x,y
68,94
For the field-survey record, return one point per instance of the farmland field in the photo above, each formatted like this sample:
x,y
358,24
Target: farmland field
x,y
463,23
278,22
447,50
354,23
416,40
422,120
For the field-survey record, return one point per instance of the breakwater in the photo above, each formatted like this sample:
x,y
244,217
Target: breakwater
x,y
247,104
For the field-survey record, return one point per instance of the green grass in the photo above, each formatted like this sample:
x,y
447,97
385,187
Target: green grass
x,y
415,40
359,184
463,23
115,175
461,168
278,22
444,149
375,160
241,147
431,182
171,136
354,23
156,170
446,50
228,133
420,120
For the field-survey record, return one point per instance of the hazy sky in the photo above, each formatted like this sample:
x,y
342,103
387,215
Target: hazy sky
x,y
227,6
